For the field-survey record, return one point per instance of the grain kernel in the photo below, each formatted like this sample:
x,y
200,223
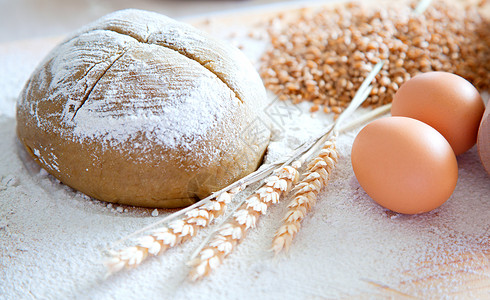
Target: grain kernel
x,y
314,108
336,109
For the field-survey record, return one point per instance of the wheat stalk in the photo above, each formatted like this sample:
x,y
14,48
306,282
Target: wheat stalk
x,y
229,234
318,172
177,232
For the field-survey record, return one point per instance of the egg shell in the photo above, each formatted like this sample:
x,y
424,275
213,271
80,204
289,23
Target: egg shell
x,y
404,165
483,141
445,101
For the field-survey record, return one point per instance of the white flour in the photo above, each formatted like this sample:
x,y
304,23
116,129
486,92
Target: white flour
x,y
52,238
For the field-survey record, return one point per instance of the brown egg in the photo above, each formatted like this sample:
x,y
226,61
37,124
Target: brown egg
x,y
404,165
484,140
445,101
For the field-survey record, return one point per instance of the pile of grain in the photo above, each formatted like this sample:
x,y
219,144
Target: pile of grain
x,y
323,56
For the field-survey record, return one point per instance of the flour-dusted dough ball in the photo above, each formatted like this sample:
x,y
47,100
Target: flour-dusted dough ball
x,y
139,109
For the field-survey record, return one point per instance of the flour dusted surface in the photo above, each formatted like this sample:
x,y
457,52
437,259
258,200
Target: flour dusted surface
x,y
52,238
190,108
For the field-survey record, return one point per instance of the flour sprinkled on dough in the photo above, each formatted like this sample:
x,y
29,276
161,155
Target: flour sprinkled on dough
x,y
137,108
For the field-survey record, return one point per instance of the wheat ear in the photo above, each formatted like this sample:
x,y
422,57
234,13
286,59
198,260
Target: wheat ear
x,y
318,172
228,235
177,232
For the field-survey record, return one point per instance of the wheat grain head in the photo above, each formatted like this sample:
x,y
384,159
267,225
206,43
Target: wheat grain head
x,y
177,232
232,232
317,174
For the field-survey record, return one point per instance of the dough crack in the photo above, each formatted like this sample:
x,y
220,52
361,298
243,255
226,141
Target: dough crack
x,y
148,33
91,88
166,44
204,64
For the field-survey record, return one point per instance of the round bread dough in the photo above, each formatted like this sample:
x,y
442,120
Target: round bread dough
x,y
139,109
